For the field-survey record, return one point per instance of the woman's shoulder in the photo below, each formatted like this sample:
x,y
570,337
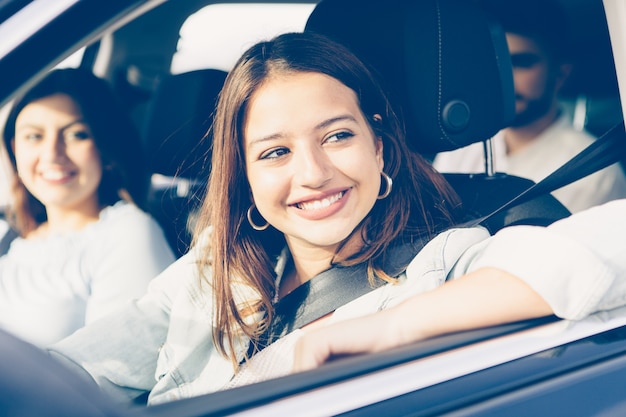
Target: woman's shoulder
x,y
124,225
125,215
455,239
444,250
121,210
428,270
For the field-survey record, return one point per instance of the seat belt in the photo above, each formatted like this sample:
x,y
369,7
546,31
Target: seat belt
x,y
331,289
339,285
603,152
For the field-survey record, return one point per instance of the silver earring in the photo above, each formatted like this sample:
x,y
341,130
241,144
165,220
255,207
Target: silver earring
x,y
389,182
254,225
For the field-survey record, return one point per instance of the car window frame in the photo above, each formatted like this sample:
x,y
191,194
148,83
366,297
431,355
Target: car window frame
x,y
57,34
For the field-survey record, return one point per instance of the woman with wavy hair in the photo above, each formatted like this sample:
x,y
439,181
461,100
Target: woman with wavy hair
x,y
85,247
310,174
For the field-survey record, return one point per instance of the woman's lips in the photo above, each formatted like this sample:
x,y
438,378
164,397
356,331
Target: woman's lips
x,y
320,208
56,176
321,203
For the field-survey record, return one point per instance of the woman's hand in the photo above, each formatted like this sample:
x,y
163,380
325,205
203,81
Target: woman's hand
x,y
368,334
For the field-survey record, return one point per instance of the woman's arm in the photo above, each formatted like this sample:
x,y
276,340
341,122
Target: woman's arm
x,y
573,268
119,351
482,298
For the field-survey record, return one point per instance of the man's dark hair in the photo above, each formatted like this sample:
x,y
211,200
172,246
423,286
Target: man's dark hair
x,y
544,21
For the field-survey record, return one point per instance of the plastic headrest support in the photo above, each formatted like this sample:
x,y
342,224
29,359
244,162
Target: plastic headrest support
x,y
178,119
445,64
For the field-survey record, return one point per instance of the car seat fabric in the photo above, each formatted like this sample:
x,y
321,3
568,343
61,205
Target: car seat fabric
x,y
177,141
447,68
178,119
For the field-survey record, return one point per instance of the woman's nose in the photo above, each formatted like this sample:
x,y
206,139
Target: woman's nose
x,y
313,168
53,147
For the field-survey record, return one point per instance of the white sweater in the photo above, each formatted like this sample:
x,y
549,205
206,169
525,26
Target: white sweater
x,y
50,287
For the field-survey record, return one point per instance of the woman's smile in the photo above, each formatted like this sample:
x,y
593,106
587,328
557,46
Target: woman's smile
x,y
322,207
57,176
56,155
314,174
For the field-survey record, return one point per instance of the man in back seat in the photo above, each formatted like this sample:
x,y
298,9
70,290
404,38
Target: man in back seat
x,y
541,137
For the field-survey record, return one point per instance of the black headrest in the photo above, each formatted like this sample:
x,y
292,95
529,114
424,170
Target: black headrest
x,y
444,62
177,122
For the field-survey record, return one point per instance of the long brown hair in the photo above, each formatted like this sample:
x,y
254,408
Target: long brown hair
x,y
420,205
124,175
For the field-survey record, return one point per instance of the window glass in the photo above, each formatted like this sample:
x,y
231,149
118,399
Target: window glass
x,y
216,35
6,173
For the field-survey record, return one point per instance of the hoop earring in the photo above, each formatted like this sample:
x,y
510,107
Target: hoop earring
x,y
254,225
389,182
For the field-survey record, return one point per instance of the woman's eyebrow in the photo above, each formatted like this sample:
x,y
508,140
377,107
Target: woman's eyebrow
x,y
328,122
27,126
265,139
37,126
75,122
321,125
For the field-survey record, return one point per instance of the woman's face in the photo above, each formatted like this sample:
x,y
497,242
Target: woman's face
x,y
57,159
313,162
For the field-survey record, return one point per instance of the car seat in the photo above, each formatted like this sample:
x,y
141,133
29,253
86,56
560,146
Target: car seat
x,y
447,68
177,140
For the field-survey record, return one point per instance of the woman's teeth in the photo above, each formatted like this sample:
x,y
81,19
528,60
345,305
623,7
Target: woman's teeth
x,y
319,204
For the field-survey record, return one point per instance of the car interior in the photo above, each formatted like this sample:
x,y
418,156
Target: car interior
x,y
173,110
177,139
427,38
472,103
416,47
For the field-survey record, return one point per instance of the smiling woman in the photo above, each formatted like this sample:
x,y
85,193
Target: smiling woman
x,y
58,162
314,175
77,186
303,134
164,345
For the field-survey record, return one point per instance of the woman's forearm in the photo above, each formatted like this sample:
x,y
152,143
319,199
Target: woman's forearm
x,y
485,297
482,298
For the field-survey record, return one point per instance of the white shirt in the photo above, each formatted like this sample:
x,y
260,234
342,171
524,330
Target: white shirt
x,y
551,149
49,287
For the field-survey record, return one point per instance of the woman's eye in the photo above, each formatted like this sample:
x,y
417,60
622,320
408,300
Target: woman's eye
x,y
339,136
33,136
29,136
79,135
274,153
